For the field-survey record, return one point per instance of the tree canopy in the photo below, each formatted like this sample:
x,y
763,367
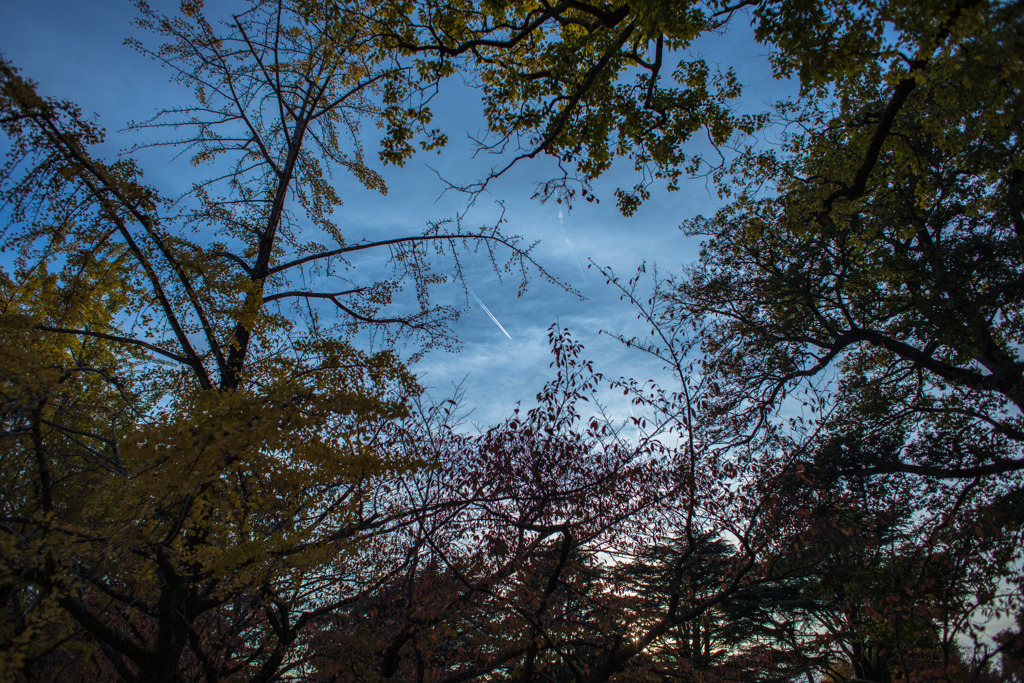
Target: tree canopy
x,y
589,82
217,467
903,274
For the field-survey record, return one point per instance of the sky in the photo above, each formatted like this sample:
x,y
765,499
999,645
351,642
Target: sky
x,y
76,51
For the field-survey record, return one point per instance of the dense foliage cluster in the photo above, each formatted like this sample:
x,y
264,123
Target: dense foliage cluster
x,y
215,467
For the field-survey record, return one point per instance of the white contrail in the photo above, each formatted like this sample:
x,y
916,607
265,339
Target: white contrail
x,y
490,314
566,238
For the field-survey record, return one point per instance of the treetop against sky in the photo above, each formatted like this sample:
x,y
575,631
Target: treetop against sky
x,y
220,458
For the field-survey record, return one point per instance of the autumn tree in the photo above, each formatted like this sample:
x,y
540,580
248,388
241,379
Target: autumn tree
x,y
495,579
135,504
522,575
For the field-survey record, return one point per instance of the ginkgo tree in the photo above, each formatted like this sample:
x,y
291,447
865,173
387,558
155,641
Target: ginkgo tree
x,y
194,471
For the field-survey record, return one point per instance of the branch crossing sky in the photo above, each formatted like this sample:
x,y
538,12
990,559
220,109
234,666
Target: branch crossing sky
x,y
76,51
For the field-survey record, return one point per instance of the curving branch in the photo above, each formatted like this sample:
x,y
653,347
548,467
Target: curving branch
x,y
121,340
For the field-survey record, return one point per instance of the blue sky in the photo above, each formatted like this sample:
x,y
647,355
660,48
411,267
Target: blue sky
x,y
75,51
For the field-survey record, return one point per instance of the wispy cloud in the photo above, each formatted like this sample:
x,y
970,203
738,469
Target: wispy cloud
x,y
566,238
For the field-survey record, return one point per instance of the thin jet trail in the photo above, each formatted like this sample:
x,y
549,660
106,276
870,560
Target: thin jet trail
x,y
573,250
490,314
